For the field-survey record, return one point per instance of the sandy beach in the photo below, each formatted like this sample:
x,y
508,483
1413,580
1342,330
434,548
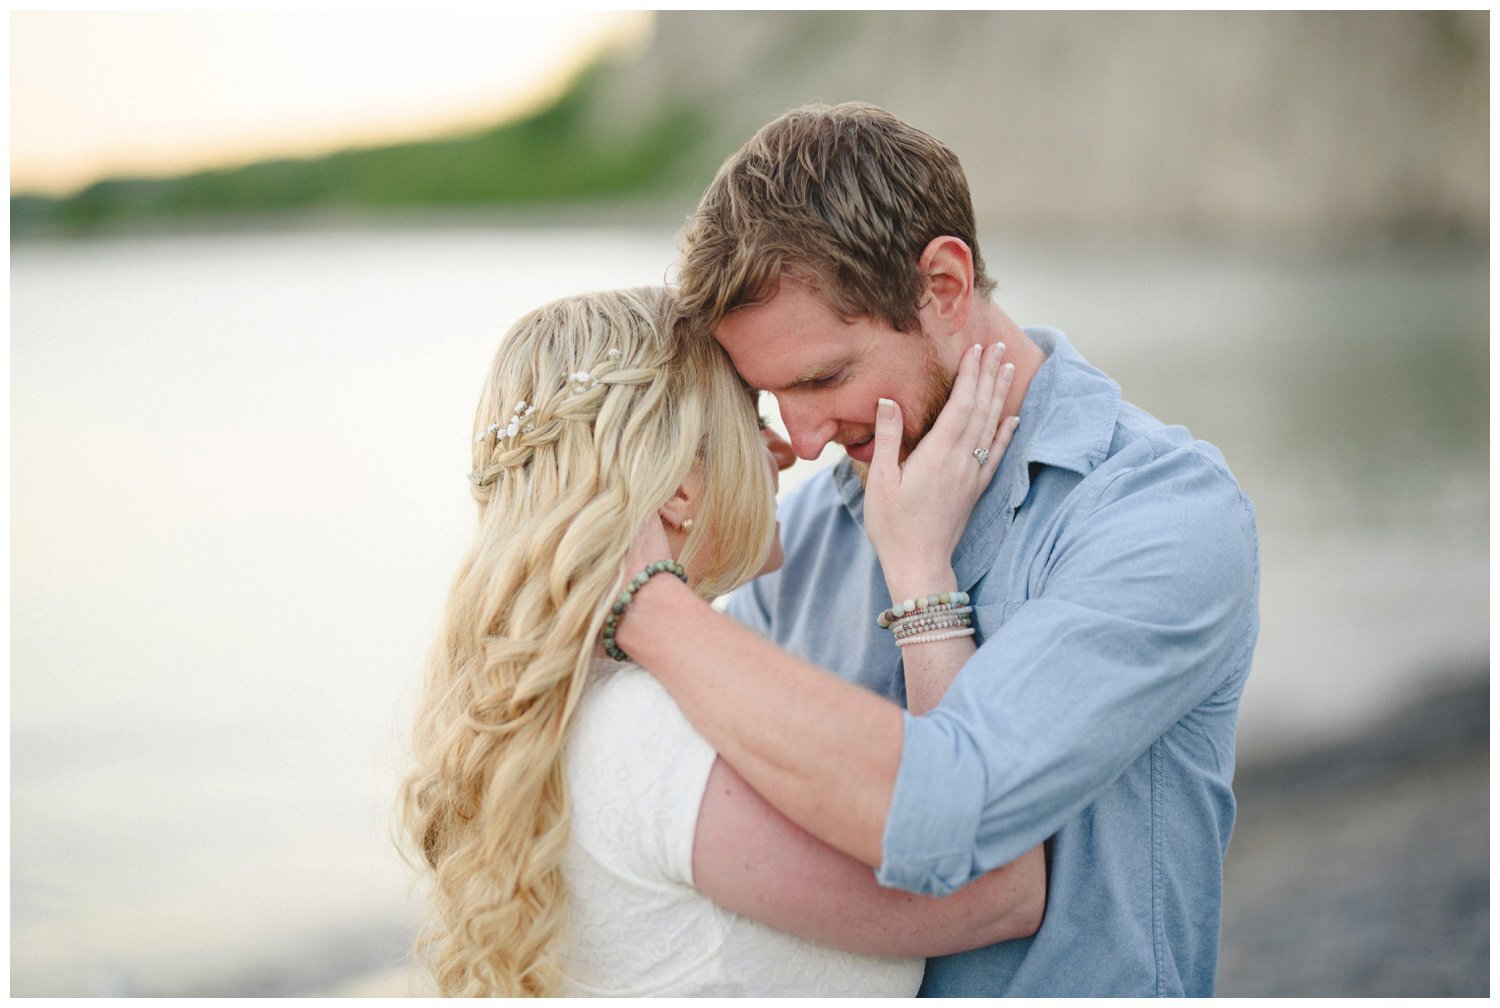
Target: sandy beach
x,y
1362,870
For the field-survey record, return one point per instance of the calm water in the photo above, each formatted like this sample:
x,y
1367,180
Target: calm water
x,y
238,493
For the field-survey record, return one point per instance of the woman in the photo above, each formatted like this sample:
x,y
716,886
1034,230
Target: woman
x,y
583,838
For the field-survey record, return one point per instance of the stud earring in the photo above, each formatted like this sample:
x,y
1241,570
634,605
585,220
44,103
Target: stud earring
x,y
687,525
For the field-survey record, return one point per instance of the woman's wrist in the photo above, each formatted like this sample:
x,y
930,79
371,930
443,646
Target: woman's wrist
x,y
917,582
626,596
647,617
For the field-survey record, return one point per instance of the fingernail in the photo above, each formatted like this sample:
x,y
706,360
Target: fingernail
x,y
1015,422
886,409
977,350
1007,369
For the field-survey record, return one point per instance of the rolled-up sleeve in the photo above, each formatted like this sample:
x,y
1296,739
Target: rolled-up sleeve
x,y
1141,607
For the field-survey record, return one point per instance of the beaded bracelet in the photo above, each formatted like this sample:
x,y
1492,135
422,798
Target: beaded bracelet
x,y
928,619
612,621
928,626
929,638
900,609
930,612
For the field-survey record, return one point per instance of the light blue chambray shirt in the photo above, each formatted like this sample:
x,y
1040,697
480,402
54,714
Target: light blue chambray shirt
x,y
1114,569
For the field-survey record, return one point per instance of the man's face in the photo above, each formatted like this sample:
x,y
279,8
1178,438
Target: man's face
x,y
827,374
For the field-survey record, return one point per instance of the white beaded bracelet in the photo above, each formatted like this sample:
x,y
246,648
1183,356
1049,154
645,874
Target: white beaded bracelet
x,y
929,638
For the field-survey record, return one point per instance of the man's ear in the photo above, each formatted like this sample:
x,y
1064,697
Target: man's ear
x,y
677,508
948,265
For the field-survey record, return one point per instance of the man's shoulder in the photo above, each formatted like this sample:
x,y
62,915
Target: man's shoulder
x,y
822,541
812,505
822,526
1159,482
1146,450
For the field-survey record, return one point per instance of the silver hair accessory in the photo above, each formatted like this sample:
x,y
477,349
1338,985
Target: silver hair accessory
x,y
520,422
982,454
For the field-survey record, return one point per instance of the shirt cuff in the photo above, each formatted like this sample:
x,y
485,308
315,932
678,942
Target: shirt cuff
x,y
932,828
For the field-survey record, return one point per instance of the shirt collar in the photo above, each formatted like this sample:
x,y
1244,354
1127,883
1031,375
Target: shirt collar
x,y
1067,421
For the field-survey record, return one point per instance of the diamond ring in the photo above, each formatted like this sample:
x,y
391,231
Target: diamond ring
x,y
982,454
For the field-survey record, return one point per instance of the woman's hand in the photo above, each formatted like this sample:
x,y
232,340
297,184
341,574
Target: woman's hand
x,y
649,546
915,512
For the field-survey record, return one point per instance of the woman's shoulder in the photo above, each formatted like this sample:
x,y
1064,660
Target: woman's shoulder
x,y
636,772
618,692
628,731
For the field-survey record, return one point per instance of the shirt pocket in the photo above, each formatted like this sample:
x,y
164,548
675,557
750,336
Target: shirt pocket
x,y
988,619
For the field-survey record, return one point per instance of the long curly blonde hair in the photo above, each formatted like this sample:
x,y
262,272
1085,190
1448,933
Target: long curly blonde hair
x,y
595,410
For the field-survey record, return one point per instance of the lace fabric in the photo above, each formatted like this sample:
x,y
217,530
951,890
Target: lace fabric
x,y
636,926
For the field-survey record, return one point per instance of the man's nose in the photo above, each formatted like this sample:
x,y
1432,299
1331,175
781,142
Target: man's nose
x,y
779,447
807,435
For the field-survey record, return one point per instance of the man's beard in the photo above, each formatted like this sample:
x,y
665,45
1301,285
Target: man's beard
x,y
938,386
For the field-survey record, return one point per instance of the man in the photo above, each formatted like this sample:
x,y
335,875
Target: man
x,y
1112,565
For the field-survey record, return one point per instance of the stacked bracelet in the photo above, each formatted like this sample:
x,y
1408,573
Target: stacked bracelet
x,y
939,617
928,638
931,618
910,606
923,628
612,621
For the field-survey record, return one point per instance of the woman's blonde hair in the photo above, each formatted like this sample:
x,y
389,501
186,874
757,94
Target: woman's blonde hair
x,y
595,410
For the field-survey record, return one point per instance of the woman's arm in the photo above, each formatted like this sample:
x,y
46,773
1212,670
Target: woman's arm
x,y
825,751
828,760
753,860
749,858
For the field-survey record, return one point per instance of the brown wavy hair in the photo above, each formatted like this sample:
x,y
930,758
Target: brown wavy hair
x,y
842,198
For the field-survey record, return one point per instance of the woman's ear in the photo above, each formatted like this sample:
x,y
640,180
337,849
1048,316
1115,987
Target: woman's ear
x,y
677,508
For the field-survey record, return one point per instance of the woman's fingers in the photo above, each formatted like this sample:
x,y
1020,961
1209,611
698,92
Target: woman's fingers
x,y
1002,438
957,411
968,426
649,546
994,405
885,461
993,384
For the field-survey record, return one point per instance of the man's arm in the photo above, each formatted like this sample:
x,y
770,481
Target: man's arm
x,y
1148,605
750,859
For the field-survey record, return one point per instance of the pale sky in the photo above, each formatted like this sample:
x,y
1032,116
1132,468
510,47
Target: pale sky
x,y
96,94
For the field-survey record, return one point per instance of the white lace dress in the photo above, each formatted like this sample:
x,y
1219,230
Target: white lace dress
x,y
636,926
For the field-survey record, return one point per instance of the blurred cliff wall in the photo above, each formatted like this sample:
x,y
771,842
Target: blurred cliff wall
x,y
1309,129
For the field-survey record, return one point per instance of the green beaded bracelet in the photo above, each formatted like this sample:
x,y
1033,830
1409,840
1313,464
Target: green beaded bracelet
x,y
612,621
900,609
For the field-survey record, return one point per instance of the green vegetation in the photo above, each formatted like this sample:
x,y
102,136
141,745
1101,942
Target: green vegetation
x,y
552,156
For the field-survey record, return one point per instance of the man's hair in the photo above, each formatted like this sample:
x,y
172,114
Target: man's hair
x,y
843,199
